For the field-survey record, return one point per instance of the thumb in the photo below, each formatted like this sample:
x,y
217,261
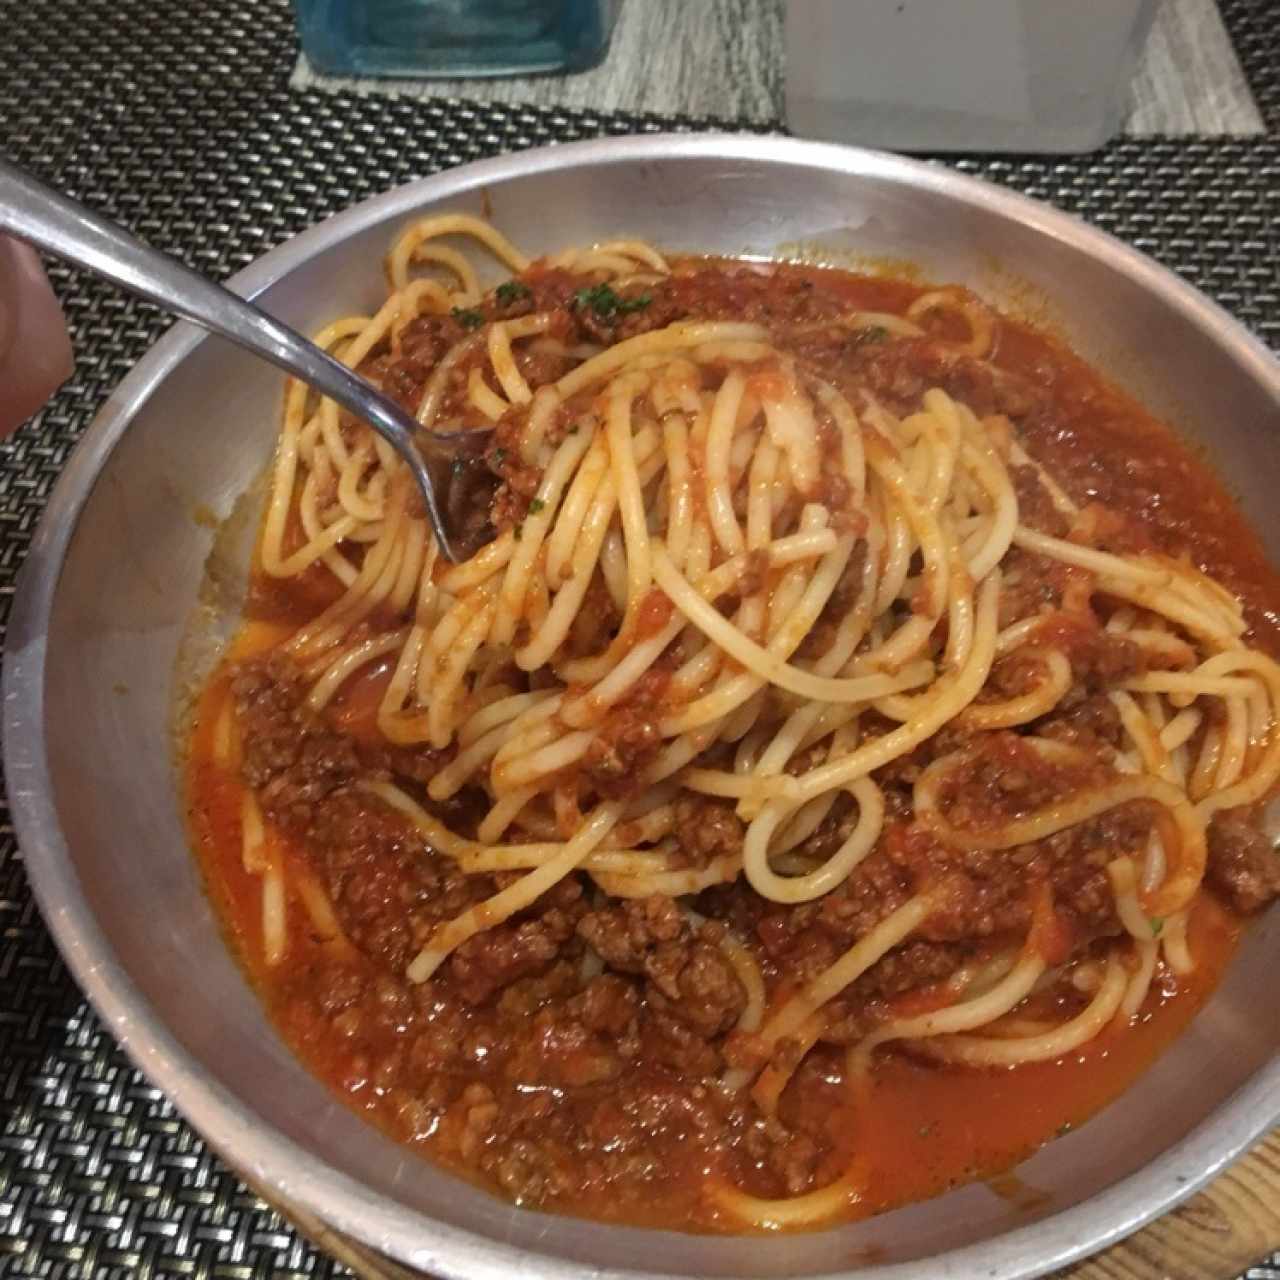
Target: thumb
x,y
35,351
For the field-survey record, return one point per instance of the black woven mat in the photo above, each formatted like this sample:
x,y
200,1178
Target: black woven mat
x,y
176,119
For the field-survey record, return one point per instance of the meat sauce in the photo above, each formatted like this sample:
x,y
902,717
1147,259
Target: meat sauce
x,y
525,1068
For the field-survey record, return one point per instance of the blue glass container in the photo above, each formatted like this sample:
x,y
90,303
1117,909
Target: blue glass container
x,y
452,37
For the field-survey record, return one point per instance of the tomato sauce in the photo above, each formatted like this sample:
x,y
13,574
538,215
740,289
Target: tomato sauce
x,y
918,1126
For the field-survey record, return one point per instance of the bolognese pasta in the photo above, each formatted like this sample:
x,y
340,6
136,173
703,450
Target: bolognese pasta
x,y
856,709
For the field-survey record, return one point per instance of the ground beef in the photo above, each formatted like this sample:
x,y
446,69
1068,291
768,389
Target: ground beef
x,y
707,828
1035,506
629,738
470,499
1101,660
556,289
423,341
830,346
1010,677
526,1169
688,977
556,1048
597,616
986,896
388,890
542,1145
540,364
623,935
660,311
803,940
899,776
291,759
678,1047
789,1158
696,985
841,600
912,965
608,1004
746,294
509,506
857,1010
900,372
614,762
755,575
551,288
1000,777
1093,723
1031,584
494,958
1243,867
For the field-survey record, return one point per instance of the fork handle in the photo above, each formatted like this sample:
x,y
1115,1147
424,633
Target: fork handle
x,y
69,230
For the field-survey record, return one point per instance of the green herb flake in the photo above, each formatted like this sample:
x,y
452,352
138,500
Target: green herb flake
x,y
468,317
536,505
512,291
499,457
1157,924
876,333
601,299
516,531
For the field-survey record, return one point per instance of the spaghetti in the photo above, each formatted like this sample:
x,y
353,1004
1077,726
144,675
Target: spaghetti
x,y
774,618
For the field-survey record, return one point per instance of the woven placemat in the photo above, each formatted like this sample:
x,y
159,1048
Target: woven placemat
x,y
177,120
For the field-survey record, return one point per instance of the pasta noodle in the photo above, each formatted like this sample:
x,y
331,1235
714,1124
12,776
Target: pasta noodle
x,y
724,576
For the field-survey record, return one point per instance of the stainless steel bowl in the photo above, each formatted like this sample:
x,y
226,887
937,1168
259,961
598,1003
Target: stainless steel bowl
x,y
115,571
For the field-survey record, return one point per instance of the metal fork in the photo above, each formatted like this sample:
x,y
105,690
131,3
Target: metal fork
x,y
67,229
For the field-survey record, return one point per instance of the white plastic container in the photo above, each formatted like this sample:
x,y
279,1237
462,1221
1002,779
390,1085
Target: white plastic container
x,y
962,75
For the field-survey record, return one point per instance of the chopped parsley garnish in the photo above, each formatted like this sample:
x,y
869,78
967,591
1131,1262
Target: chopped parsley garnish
x,y
499,457
601,299
512,291
468,317
1157,924
876,333
536,505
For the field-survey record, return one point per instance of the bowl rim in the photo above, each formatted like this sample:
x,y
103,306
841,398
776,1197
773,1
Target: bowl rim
x,y
227,1121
